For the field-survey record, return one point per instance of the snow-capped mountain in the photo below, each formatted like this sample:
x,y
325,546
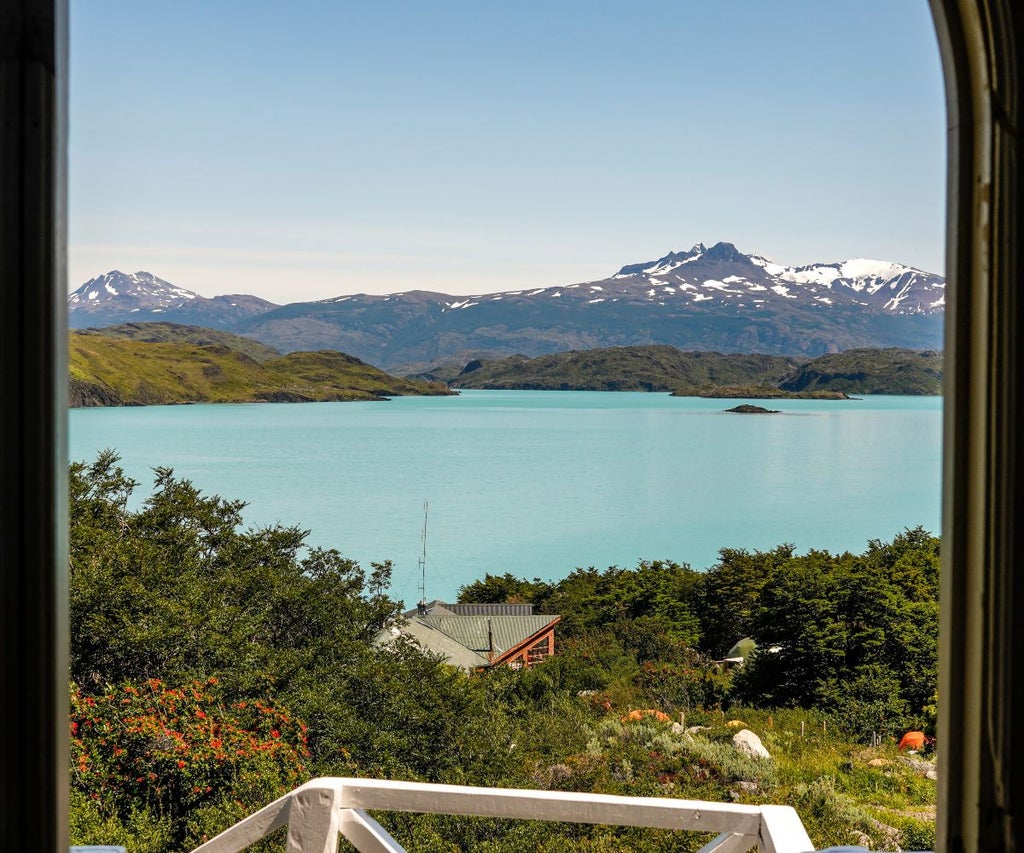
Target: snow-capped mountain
x,y
715,298
118,297
755,281
131,291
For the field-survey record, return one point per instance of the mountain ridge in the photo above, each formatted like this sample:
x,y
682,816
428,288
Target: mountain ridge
x,y
714,299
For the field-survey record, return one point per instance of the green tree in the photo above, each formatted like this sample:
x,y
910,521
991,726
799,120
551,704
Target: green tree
x,y
729,594
502,589
842,633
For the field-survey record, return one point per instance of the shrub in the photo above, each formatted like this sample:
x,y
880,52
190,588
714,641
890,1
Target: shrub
x,y
151,749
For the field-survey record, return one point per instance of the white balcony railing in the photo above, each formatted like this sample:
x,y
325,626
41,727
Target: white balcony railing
x,y
322,809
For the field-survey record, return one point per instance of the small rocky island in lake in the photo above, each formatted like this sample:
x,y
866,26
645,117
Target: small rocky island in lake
x,y
747,409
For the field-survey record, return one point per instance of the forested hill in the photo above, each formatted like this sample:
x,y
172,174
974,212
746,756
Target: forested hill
x,y
871,371
202,366
641,368
665,368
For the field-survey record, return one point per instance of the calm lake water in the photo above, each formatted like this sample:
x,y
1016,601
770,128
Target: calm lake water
x,y
539,482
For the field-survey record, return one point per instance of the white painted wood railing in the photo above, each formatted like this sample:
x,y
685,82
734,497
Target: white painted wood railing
x,y
322,809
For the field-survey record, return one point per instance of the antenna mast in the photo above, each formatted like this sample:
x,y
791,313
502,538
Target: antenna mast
x,y
423,562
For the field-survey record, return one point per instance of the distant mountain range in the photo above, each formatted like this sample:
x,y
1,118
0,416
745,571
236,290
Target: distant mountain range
x,y
713,299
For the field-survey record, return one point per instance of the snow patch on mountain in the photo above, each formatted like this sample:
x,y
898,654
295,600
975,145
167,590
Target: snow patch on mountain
x,y
867,268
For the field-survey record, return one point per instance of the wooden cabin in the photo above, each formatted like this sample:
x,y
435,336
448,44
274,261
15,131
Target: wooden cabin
x,y
480,636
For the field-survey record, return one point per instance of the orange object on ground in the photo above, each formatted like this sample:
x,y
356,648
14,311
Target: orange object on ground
x,y
647,712
912,740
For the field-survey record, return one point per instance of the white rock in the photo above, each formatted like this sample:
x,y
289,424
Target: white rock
x,y
750,744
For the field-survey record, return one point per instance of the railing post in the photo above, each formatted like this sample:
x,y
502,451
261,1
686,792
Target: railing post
x,y
365,834
782,831
314,820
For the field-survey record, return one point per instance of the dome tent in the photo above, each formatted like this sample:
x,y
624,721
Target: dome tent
x,y
740,651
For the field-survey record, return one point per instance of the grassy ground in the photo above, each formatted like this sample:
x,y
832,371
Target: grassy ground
x,y
844,792
841,798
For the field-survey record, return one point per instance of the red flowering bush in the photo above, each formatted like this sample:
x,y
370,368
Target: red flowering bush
x,y
182,752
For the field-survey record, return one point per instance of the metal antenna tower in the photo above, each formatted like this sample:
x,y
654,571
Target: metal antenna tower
x,y
423,562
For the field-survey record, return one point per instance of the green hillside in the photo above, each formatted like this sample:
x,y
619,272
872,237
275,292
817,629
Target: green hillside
x,y
177,333
640,368
110,371
712,374
871,371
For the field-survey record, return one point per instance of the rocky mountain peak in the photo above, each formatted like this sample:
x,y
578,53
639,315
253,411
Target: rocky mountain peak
x,y
726,253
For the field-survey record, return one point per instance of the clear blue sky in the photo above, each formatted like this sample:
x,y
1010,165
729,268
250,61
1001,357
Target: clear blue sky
x,y
301,150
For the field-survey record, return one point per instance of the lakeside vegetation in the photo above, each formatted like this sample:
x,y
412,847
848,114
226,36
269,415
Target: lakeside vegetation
x,y
215,666
127,366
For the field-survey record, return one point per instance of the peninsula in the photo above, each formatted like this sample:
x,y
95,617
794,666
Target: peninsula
x,y
127,366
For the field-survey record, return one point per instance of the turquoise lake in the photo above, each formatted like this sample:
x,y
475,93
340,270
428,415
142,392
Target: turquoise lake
x,y
539,482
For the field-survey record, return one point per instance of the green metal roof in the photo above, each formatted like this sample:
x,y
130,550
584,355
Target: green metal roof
x,y
433,640
463,639
471,631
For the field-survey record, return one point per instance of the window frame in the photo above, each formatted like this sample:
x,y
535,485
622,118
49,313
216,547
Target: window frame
x,y
981,654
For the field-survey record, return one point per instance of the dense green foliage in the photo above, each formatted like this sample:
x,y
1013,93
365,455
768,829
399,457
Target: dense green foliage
x,y
850,633
712,374
215,666
114,371
854,634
